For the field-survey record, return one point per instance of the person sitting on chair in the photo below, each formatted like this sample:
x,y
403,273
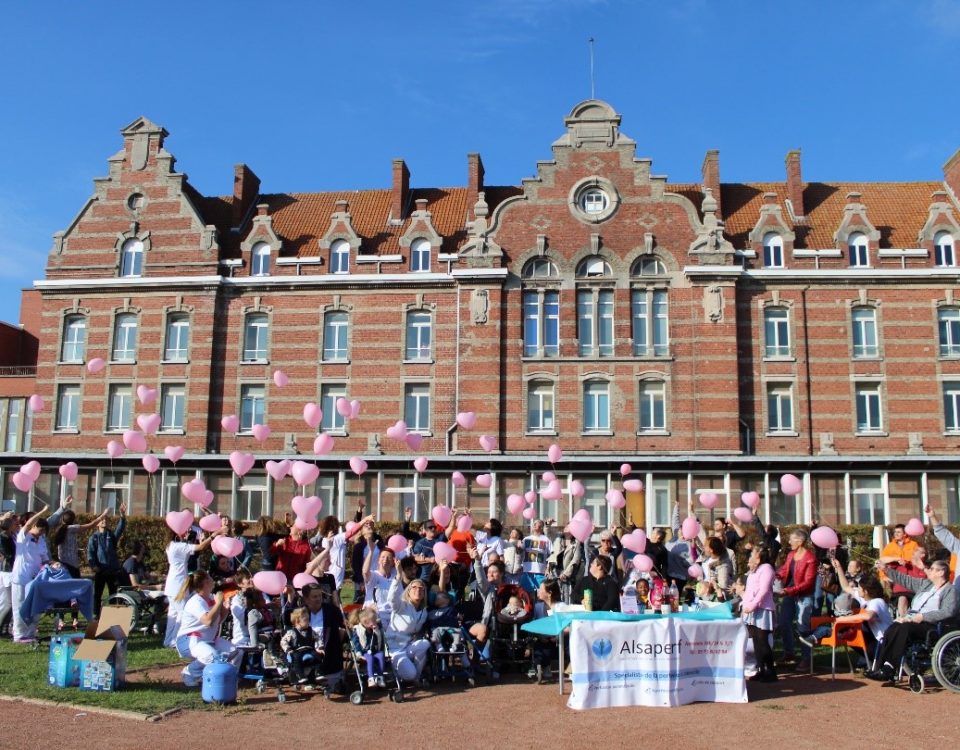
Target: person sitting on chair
x,y
604,590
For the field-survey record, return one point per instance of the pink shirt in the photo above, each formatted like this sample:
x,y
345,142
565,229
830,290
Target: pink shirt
x,y
758,593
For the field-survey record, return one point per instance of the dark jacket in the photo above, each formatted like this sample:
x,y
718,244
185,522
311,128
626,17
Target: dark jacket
x,y
102,548
606,593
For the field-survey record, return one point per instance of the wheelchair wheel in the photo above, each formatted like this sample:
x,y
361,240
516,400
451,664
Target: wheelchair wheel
x,y
946,661
916,683
356,697
127,599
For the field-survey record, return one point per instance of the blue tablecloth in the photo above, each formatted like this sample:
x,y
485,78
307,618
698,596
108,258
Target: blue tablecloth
x,y
554,624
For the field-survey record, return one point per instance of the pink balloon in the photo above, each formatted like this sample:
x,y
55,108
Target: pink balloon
x,y
750,499
642,563
115,449
95,365
148,422
420,464
398,543
581,528
708,499
36,403
516,504
467,419
484,480
278,470
915,527
312,415
193,490
695,571
31,469
302,579
458,479
583,514
790,485
443,552
577,489
260,432
554,453
146,395
549,476
306,523
304,473
625,469
322,444
616,499
635,541
825,537
441,516
464,523
553,491
743,514
280,378
150,462
270,582
413,440
206,498
530,496
230,423
134,440
633,485
306,507
241,462
210,522
529,513
179,521
227,546
350,526
690,528
358,465
68,471
398,430
488,443
22,482
354,409
173,453
343,407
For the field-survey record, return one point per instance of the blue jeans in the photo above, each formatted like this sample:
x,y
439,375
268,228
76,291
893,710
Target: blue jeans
x,y
799,609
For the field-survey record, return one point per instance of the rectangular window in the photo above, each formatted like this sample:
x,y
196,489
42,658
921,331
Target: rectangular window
x,y
541,323
418,345
650,322
74,339
27,430
660,491
595,322
335,328
779,408
255,337
948,325
951,406
14,409
119,407
776,329
173,397
251,406
867,500
585,322
540,407
653,409
68,407
125,338
596,406
251,497
868,407
416,407
177,348
605,322
332,420
865,332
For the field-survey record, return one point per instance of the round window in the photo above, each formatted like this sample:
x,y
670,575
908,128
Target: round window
x,y
136,201
594,201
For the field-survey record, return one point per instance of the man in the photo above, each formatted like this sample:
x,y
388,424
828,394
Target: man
x,y
604,591
536,550
900,549
423,549
102,557
487,584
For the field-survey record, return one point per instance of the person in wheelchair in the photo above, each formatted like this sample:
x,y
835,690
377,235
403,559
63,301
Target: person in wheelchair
x,y
134,575
935,601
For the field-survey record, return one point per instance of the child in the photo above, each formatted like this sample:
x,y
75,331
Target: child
x,y
250,611
443,623
514,608
368,640
843,605
300,646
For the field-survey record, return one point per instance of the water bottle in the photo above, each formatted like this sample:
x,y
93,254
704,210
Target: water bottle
x,y
674,596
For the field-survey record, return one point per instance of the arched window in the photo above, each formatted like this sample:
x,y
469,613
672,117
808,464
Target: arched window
x,y
649,308
540,268
859,250
648,266
773,251
131,258
260,259
125,338
340,256
74,339
593,267
943,250
420,256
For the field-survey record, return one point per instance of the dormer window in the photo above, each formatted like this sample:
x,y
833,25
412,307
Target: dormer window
x,y
773,251
340,257
131,258
260,259
859,250
943,252
420,256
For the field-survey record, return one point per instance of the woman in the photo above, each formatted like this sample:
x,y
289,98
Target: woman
x,y
334,540
759,611
198,635
268,532
717,569
798,576
407,620
65,536
934,601
376,583
568,558
292,553
513,556
543,650
369,540
869,592
31,555
179,552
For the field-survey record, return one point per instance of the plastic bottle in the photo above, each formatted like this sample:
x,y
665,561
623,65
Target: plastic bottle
x,y
674,596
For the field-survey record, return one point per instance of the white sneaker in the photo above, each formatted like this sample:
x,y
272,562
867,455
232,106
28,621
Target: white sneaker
x,y
371,682
188,679
380,681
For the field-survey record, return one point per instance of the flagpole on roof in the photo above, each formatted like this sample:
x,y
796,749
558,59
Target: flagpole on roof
x,y
593,86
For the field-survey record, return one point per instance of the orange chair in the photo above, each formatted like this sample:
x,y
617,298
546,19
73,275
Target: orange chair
x,y
857,641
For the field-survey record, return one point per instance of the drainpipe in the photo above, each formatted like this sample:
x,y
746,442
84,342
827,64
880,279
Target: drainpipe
x,y
456,379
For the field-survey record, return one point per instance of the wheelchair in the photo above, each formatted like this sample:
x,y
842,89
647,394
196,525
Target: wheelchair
x,y
149,613
939,653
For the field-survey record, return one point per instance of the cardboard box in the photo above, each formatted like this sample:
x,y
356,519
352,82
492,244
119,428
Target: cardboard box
x,y
103,655
63,669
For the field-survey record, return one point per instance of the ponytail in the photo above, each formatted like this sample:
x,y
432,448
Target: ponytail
x,y
191,585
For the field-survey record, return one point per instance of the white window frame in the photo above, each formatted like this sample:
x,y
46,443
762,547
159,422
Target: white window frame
x,y
258,322
333,422
542,307
653,395
863,321
776,321
170,393
74,345
944,250
948,331
867,394
418,420
773,250
858,247
340,257
539,393
877,515
119,407
418,329
596,391
951,406
336,324
255,395
125,328
650,314
420,256
177,324
594,201
780,400
131,258
260,259
68,395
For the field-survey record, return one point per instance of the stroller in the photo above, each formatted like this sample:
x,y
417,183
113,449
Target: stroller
x,y
510,644
448,646
357,666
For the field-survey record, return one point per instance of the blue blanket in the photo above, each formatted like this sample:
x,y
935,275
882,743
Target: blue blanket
x,y
52,586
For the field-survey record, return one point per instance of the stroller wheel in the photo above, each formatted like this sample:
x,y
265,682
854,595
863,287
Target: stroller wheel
x,y
397,696
356,697
260,686
281,697
916,683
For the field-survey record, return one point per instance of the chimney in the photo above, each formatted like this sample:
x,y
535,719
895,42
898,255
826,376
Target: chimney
x,y
951,173
474,179
246,188
401,190
710,171
795,183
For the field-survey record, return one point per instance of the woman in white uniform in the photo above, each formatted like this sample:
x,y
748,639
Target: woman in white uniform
x,y
199,631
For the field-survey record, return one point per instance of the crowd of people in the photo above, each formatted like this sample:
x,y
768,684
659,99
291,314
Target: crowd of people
x,y
408,595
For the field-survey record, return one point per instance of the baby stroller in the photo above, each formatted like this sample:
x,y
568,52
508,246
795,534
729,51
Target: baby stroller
x,y
268,665
511,645
356,665
448,646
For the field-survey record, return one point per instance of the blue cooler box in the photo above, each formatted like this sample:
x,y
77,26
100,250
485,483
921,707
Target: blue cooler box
x,y
63,669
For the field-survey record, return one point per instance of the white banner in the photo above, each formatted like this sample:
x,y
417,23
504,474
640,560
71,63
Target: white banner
x,y
661,662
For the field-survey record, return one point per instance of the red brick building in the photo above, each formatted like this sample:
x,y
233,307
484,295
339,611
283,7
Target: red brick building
x,y
712,335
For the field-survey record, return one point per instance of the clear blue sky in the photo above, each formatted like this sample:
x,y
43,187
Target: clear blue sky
x,y
322,95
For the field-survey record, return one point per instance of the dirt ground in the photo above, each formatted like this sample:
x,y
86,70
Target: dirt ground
x,y
802,711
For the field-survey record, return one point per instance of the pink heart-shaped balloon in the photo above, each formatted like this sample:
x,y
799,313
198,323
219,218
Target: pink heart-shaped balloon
x,y
210,522
488,442
358,465
36,403
343,407
642,563
397,431
303,579
134,440
530,496
260,432
397,543
581,529
69,471
709,499
464,523
413,440
31,469
115,449
149,423
280,378
443,552
695,572
312,415
549,476
690,528
206,498
96,364
529,513
146,395
458,479
351,527
915,527
584,515
635,541
306,507
304,473
516,504
616,499
230,423
791,485
633,485
306,523
278,470
354,409
467,420
193,490
554,453
22,482
553,491
173,453
577,489
743,515
625,469
484,480
750,499
150,462
420,464
322,444
241,462
179,521
270,582
441,516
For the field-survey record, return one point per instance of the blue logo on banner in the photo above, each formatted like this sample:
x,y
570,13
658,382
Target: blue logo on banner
x,y
602,648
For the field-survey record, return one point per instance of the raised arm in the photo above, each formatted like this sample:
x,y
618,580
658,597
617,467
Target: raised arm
x,y
675,520
122,525
367,563
32,521
942,533
842,577
356,529
451,527
94,522
315,563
